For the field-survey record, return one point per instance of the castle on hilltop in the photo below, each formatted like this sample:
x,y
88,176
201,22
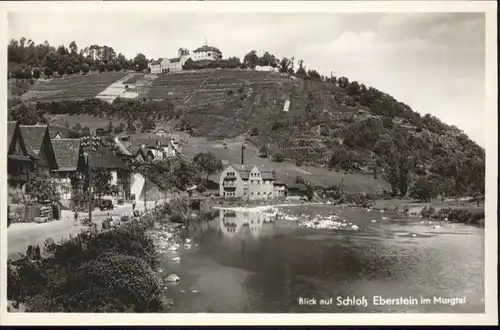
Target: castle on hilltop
x,y
203,53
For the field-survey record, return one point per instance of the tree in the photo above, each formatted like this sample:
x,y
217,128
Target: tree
x,y
343,82
251,60
285,65
101,67
140,62
301,71
120,128
73,48
85,68
26,114
445,188
278,157
61,70
47,72
52,61
110,66
42,189
110,127
263,151
69,69
422,189
76,69
36,73
101,182
208,163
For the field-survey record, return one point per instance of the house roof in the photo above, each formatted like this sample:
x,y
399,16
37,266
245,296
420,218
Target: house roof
x,y
156,62
64,131
299,186
11,128
152,141
106,160
245,170
33,137
175,60
207,49
67,152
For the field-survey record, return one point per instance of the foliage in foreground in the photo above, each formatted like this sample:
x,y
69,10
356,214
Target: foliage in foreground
x,y
107,272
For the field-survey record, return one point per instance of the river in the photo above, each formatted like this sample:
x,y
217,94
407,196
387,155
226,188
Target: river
x,y
251,262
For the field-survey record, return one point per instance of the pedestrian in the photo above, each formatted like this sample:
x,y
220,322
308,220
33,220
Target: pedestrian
x,y
75,217
133,206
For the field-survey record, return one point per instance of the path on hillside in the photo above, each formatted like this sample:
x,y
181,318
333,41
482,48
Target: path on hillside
x,y
21,235
117,89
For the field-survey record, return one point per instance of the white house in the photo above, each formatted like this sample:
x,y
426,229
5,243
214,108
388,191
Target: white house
x,y
266,68
207,53
155,65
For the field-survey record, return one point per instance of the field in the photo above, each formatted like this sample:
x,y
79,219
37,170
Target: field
x,y
84,120
71,87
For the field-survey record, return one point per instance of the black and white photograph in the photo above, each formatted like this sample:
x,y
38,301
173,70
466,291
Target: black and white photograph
x,y
284,162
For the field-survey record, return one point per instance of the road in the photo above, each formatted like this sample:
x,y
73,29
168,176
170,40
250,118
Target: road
x,y
21,235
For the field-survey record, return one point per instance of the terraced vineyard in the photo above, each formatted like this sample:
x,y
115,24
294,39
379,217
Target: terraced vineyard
x,y
71,87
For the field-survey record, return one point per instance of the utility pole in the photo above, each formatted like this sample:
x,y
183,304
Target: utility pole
x,y
90,187
145,192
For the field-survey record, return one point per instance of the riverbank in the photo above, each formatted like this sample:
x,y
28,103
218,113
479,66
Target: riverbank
x,y
113,270
460,212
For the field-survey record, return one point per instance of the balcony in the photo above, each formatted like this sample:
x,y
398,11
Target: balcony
x,y
229,184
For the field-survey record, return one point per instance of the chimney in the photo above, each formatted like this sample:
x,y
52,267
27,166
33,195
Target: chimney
x,y
242,158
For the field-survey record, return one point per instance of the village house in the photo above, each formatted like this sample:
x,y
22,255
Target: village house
x,y
296,191
120,173
161,147
155,65
161,132
247,181
280,189
39,146
71,167
207,53
142,154
18,159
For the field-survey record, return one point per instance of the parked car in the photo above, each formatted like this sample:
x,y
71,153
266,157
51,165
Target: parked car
x,y
106,204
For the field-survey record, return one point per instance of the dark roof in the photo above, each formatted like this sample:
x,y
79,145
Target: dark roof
x,y
33,137
299,186
156,62
175,60
11,128
245,170
207,49
64,131
106,160
67,152
152,141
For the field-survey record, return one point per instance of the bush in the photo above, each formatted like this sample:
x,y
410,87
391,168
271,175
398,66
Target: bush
x,y
427,211
114,283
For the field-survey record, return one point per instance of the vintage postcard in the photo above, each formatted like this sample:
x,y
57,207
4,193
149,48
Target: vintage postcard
x,y
250,163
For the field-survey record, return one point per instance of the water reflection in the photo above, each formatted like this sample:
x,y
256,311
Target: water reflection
x,y
252,262
245,224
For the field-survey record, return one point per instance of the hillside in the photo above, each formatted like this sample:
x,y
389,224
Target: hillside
x,y
334,124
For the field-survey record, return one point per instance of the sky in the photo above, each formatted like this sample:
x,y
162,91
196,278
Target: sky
x,y
434,62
